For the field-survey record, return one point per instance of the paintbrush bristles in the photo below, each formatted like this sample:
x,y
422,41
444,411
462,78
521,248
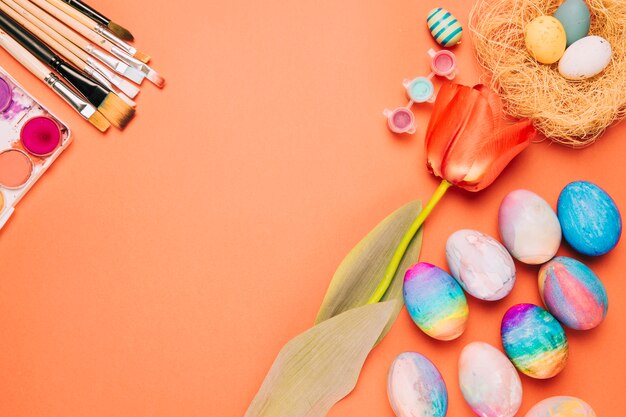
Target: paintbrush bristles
x,y
120,31
156,78
118,112
142,56
99,121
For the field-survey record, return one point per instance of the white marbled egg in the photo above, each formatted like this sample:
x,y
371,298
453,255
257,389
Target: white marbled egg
x,y
585,58
480,264
529,227
489,382
416,388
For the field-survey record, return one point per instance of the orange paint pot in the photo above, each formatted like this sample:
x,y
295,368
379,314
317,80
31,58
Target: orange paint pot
x,y
16,168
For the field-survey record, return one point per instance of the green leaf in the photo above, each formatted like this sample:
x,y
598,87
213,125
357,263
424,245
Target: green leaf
x,y
320,366
362,270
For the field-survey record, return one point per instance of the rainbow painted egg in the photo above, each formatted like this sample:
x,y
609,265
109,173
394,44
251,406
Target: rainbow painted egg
x,y
416,388
444,27
590,220
573,293
489,383
529,227
435,301
480,264
561,407
534,341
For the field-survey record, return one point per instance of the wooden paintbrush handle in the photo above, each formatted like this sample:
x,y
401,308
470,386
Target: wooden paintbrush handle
x,y
74,24
43,32
76,14
24,57
48,21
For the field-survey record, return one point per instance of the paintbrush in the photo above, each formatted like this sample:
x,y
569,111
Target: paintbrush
x,y
88,21
58,30
108,103
71,52
103,38
92,14
86,110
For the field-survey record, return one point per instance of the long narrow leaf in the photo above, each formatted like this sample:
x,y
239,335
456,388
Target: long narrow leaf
x,y
320,366
362,270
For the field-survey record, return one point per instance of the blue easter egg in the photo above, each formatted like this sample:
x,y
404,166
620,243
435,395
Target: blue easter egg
x,y
575,17
589,218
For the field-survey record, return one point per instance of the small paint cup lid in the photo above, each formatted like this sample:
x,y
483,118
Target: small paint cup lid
x,y
401,120
15,168
40,136
420,90
6,95
443,63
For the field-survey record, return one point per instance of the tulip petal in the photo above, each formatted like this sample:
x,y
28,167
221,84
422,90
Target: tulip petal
x,y
446,124
495,102
478,128
435,142
496,154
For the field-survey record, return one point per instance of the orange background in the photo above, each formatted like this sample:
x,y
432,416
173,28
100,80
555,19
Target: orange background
x,y
158,271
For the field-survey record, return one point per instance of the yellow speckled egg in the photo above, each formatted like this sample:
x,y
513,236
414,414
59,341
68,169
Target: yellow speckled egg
x,y
546,39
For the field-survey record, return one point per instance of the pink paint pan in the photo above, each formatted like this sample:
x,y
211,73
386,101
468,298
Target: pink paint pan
x,y
40,136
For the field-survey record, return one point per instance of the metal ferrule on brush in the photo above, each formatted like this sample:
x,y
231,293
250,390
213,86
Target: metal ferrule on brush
x,y
96,75
108,35
131,61
82,106
113,79
114,63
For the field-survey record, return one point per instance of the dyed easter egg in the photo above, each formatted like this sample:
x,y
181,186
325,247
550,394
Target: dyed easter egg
x,y
586,58
416,388
575,17
489,382
480,264
529,227
534,341
444,27
573,293
435,301
545,39
590,220
561,407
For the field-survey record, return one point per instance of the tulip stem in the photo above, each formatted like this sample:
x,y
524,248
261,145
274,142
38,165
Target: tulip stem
x,y
406,240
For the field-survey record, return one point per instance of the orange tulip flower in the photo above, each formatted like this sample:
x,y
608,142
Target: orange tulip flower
x,y
468,144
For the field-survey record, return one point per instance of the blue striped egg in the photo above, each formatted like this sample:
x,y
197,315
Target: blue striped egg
x,y
444,27
590,220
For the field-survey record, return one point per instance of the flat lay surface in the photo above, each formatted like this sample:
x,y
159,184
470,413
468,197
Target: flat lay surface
x,y
159,270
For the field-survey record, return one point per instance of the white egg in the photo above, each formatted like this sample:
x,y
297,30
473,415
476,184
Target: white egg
x,y
480,264
529,227
489,382
585,58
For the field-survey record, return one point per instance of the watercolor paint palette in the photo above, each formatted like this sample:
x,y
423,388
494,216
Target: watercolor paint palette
x,y
31,139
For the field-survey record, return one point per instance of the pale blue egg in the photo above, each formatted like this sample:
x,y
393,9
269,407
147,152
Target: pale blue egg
x,y
575,17
589,218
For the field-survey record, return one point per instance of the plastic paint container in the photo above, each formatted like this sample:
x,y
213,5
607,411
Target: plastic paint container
x,y
443,63
420,90
400,120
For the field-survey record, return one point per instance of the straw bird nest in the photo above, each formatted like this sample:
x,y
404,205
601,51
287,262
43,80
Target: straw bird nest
x,y
573,113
